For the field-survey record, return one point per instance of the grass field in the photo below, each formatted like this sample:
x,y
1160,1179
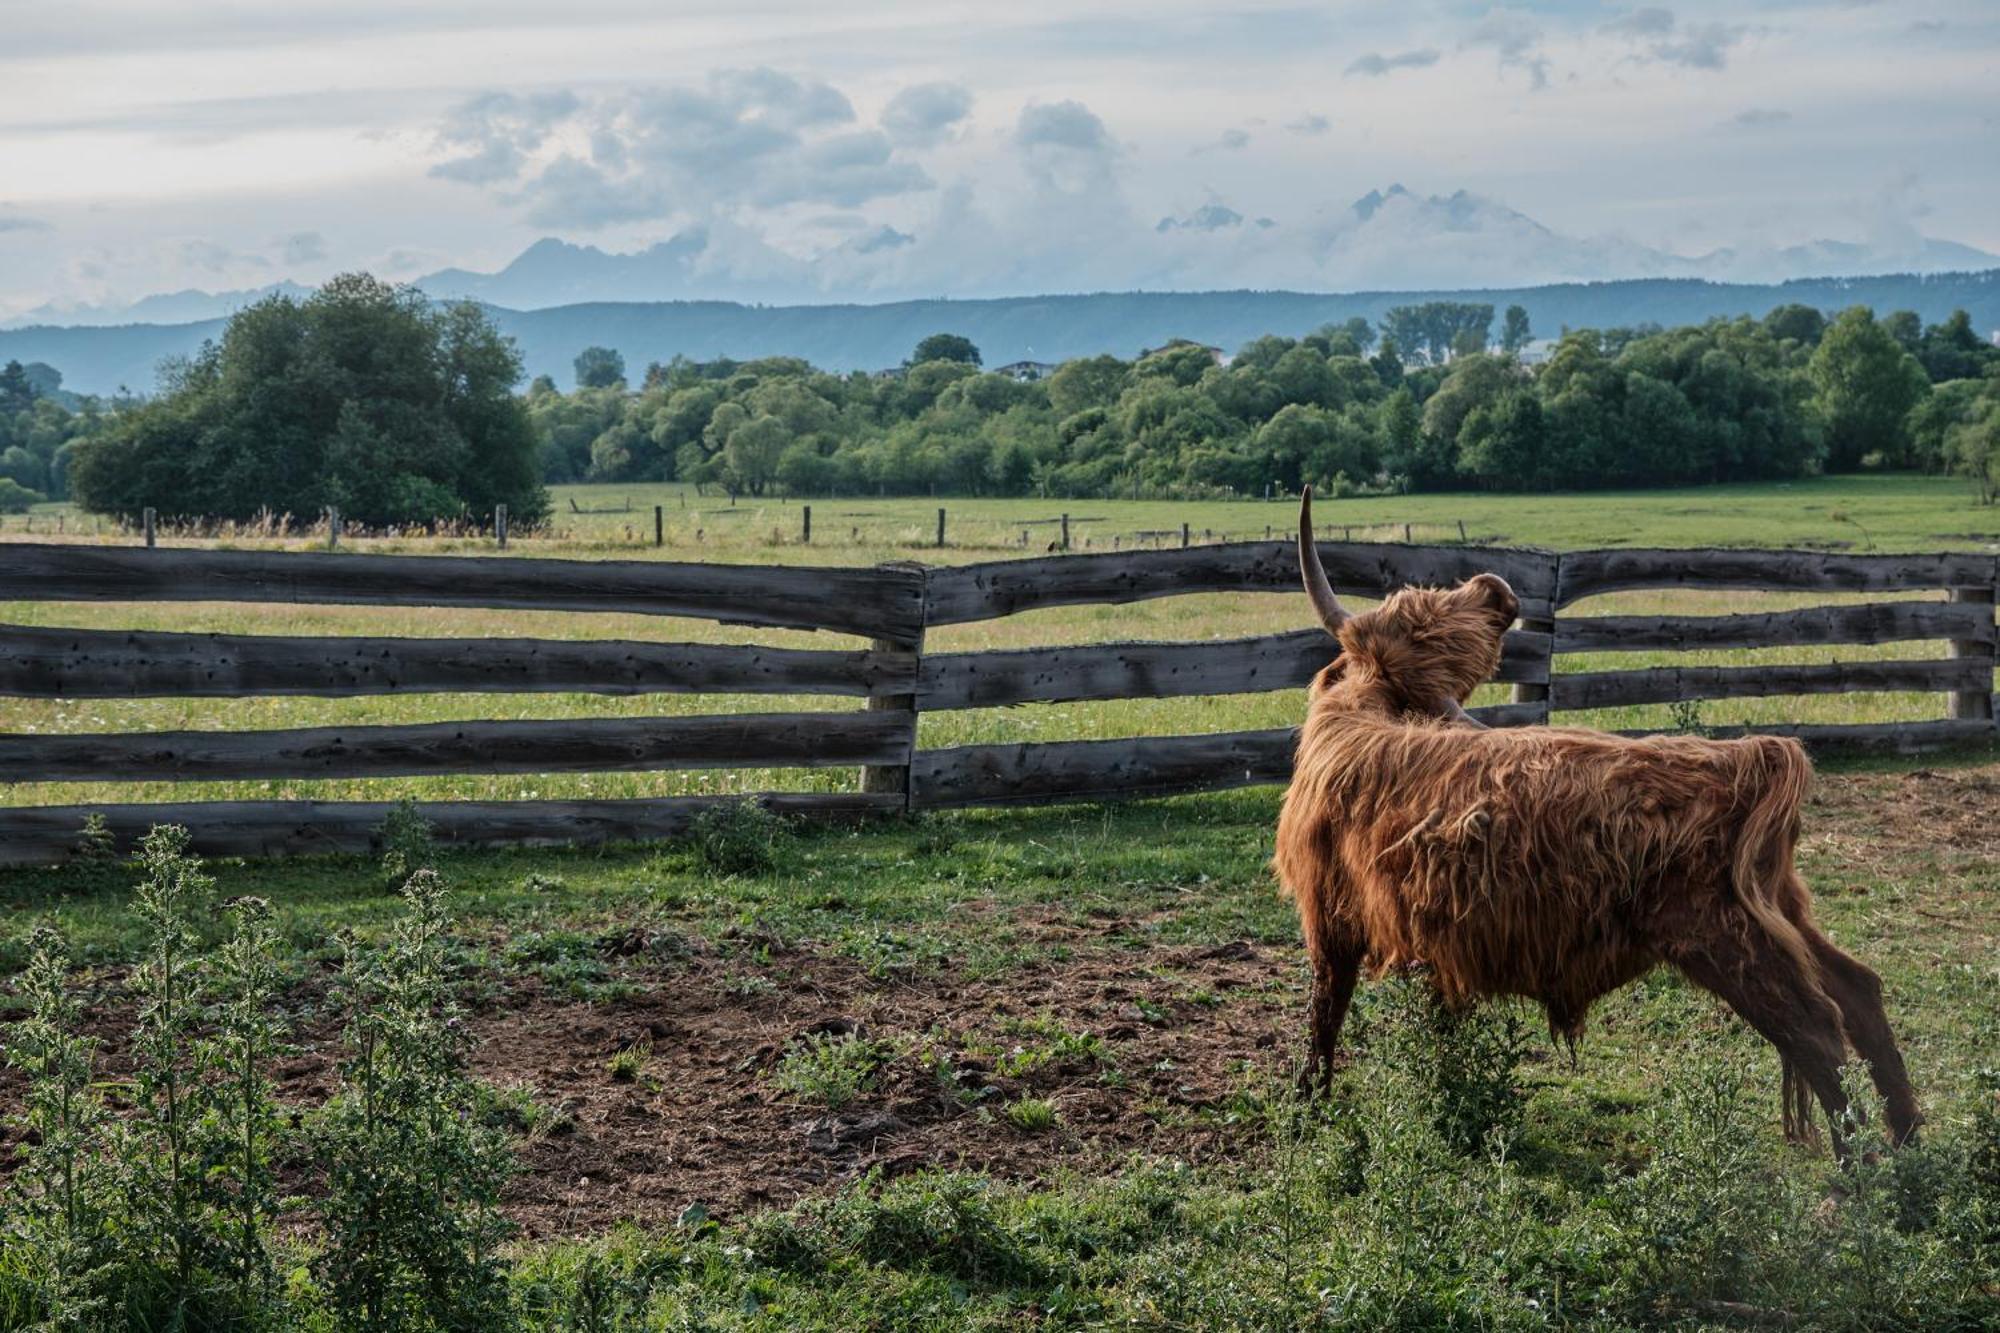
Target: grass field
x,y
1028,1068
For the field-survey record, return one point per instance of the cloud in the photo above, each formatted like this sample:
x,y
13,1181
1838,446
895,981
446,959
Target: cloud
x,y
1759,117
755,138
1211,216
1065,147
1517,40
925,114
1659,36
302,247
1375,63
1310,123
1229,141
22,224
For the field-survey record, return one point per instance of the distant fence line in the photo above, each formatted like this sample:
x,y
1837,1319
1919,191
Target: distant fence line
x,y
891,606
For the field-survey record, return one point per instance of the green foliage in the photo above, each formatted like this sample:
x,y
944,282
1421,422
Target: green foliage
x,y
739,838
413,1170
362,397
1461,1069
66,1191
95,844
16,498
1865,386
828,1069
599,368
406,842
1032,1115
944,347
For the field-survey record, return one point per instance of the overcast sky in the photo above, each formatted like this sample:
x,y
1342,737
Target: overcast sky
x,y
147,145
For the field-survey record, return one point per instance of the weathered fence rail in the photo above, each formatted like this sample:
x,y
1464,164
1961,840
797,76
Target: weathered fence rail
x,y
891,607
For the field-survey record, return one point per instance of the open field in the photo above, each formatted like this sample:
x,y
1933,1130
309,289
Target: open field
x,y
1128,974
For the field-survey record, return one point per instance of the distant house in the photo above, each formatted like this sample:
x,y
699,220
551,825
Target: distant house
x,y
1025,372
1215,354
892,373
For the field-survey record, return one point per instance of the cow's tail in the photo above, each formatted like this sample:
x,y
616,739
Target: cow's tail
x,y
1771,785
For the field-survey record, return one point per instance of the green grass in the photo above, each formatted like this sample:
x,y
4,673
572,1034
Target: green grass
x,y
1600,1213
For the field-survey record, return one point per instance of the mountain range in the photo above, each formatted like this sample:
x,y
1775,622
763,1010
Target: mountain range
x,y
1388,238
1039,328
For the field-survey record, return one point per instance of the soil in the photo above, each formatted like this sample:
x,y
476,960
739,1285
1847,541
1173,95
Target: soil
x,y
1180,1031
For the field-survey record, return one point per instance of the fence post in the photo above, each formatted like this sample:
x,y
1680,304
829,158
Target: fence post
x,y
500,524
1184,536
806,525
1065,532
149,525
332,528
940,540
1974,705
660,525
1537,692
894,779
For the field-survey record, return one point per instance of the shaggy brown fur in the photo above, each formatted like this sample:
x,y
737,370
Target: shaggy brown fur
x,y
1554,863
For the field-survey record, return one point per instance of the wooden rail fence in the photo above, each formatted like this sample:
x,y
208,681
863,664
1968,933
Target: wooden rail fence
x,y
891,607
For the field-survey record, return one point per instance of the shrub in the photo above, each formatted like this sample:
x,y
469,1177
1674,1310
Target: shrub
x,y
1032,1115
1462,1068
739,838
16,498
67,1185
406,842
413,1168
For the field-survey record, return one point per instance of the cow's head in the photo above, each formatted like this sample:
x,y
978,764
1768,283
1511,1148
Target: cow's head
x,y
1423,650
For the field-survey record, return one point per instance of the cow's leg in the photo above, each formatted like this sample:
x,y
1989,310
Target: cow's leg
x,y
1858,992
1778,995
1336,965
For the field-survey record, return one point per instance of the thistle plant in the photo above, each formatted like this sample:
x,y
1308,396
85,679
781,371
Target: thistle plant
x,y
64,1190
244,1124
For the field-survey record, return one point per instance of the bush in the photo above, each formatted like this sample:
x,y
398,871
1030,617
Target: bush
x,y
16,498
413,1168
1462,1069
739,838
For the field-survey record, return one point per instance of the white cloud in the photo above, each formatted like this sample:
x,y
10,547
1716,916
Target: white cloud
x,y
1375,63
926,114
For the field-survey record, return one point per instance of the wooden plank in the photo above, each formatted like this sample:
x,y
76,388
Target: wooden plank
x,y
567,745
1006,587
1872,622
47,834
1867,737
1590,573
1158,670
867,602
894,779
43,662
1654,685
1095,770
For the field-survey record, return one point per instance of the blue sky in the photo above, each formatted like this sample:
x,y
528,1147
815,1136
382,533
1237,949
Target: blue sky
x,y
873,149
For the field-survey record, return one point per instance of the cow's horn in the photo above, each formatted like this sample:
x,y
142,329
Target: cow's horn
x,y
1331,613
1453,711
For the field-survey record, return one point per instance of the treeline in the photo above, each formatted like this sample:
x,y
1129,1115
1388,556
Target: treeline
x,y
39,427
1430,401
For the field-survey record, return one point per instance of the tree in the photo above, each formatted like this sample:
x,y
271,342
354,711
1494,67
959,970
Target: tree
x,y
17,392
1514,331
599,368
363,395
944,347
1865,385
754,450
1801,324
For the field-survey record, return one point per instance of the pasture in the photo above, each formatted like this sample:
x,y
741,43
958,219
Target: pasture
x,y
1032,1067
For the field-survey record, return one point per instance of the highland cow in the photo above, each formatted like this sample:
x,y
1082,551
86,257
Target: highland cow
x,y
1551,863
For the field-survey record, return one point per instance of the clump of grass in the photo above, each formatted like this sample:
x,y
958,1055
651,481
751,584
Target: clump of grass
x,y
829,1070
739,838
626,1065
1032,1115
